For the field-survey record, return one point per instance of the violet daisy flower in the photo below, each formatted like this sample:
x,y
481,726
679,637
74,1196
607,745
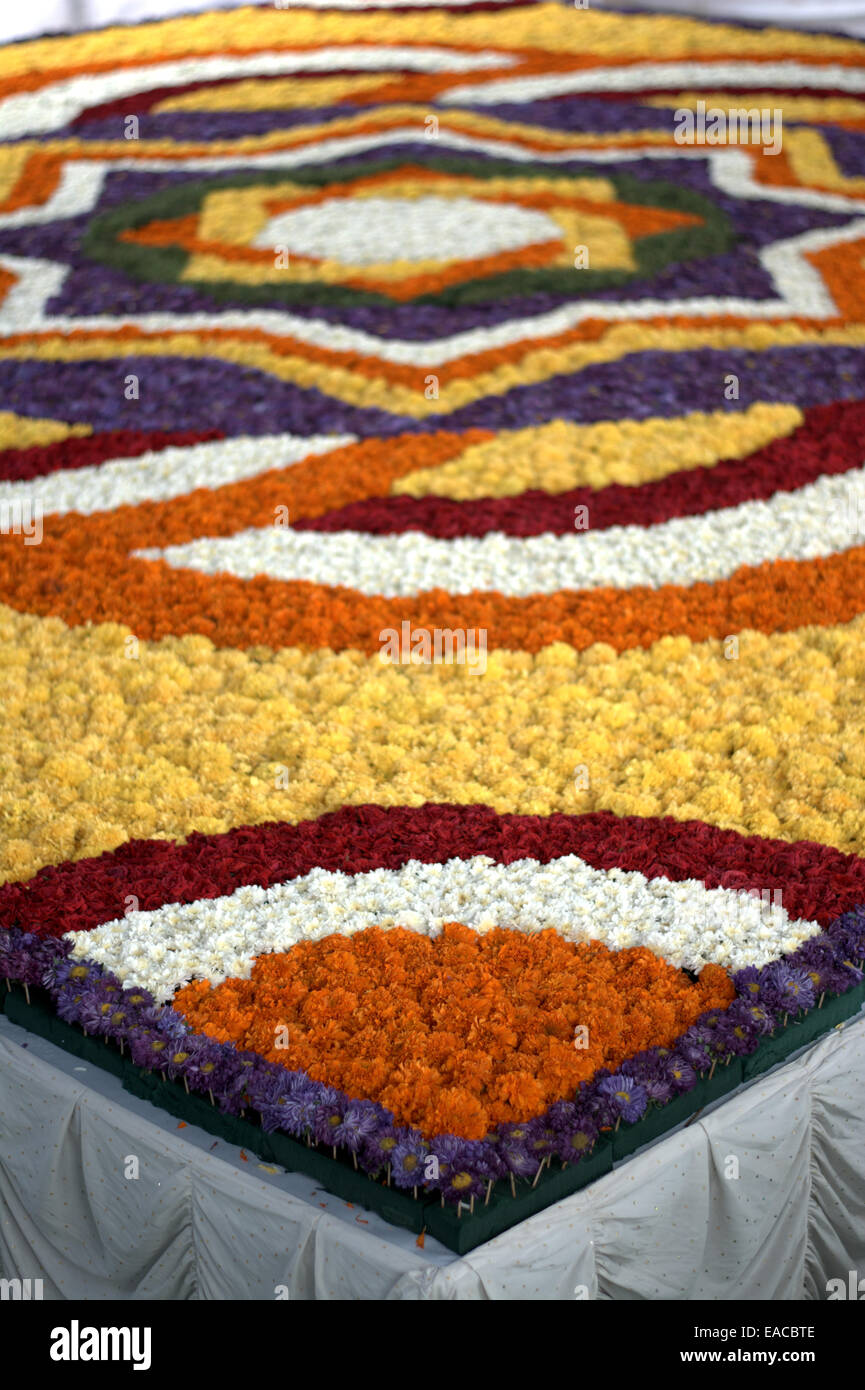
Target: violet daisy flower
x,y
786,988
761,1019
378,1147
693,1046
579,1139
541,1137
327,1121
407,1161
737,1034
626,1096
519,1158
297,1116
93,1012
658,1089
682,1075
847,933
359,1123
460,1185
184,1056
212,1067
748,982
147,1049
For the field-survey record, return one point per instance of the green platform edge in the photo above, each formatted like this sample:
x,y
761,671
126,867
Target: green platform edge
x,y
337,1175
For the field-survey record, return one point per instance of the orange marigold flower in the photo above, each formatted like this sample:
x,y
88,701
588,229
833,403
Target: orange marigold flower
x,y
459,1032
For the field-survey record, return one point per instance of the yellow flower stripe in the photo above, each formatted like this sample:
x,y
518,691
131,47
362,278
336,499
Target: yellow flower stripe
x,y
20,432
250,94
814,165
100,747
809,108
386,117
563,455
550,26
538,364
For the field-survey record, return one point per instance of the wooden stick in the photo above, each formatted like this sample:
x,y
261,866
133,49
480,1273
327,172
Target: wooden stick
x,y
489,1190
538,1173
26,992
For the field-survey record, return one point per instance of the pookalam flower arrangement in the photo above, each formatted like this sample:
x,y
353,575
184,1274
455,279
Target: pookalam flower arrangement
x,y
314,329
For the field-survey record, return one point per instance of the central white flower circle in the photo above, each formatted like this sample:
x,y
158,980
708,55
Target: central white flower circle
x,y
370,231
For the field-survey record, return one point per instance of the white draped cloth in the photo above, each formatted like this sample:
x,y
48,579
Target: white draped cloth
x,y
199,1222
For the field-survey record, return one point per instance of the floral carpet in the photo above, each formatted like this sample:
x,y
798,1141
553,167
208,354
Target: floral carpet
x,y
432,565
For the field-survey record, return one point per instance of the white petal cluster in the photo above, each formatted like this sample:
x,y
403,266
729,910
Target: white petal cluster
x,y
218,938
815,520
160,474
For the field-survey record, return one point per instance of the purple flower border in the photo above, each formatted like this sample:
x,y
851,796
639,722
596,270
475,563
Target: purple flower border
x,y
160,1040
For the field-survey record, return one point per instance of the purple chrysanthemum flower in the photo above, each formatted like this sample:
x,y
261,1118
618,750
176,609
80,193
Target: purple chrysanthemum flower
x,y
53,962
748,982
481,1156
541,1137
268,1086
694,1047
516,1151
625,1095
184,1056
378,1147
786,988
737,1034
461,1184
297,1116
328,1119
172,1025
68,1004
149,1050
847,933
93,1012
819,957
139,999
648,1069
360,1121
212,1068
650,1062
681,1074
561,1115
658,1089
761,1019
579,1139
407,1161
